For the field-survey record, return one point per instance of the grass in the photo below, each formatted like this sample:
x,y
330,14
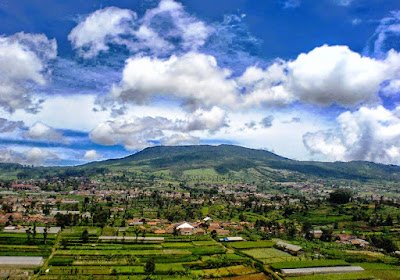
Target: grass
x,y
177,245
252,244
269,255
205,243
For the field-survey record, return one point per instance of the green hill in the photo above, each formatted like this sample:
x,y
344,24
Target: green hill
x,y
223,160
229,158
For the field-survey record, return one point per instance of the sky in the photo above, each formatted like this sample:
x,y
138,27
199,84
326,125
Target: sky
x,y
90,80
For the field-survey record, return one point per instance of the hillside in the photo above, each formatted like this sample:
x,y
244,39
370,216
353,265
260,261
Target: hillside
x,y
229,158
222,160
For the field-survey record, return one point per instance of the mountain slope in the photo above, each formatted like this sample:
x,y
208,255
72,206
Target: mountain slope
x,y
214,162
226,158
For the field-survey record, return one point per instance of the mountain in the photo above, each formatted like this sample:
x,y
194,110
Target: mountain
x,y
225,159
215,162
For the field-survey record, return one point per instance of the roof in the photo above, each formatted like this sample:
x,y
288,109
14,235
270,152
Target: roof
x,y
207,219
184,225
120,238
288,246
321,270
237,238
20,261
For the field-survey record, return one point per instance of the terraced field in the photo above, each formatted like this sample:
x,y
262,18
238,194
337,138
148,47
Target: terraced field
x,y
178,257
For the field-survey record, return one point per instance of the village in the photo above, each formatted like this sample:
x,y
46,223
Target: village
x,y
58,227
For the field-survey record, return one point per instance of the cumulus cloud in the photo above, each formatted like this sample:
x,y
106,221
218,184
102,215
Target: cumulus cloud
x,y
23,65
265,87
38,156
100,29
324,76
41,131
34,156
211,120
336,75
370,134
198,81
92,155
179,139
162,29
194,78
136,133
190,30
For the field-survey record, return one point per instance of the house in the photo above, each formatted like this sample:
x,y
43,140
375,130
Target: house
x,y
185,226
207,219
185,229
290,248
316,233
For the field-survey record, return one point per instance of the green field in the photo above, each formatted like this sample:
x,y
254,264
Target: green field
x,y
252,244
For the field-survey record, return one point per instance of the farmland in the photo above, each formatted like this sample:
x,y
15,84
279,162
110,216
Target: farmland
x,y
126,223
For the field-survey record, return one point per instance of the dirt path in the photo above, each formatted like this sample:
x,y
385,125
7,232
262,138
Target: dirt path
x,y
53,251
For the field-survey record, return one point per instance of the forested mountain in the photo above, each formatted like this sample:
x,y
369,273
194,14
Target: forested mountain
x,y
218,160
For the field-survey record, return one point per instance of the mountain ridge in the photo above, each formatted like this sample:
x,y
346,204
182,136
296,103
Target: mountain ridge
x,y
217,160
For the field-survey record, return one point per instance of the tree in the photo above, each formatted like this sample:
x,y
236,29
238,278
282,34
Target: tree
x,y
340,196
45,234
326,235
28,234
85,236
150,266
306,229
214,234
34,231
136,230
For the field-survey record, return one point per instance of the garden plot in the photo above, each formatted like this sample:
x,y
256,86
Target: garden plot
x,y
269,255
252,244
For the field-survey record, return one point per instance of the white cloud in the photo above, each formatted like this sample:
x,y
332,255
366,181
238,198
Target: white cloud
x,y
41,131
38,156
290,4
344,3
324,76
162,29
133,133
211,120
265,87
136,133
386,36
34,156
192,31
9,126
336,75
179,139
194,78
198,81
23,64
92,155
371,134
356,21
100,29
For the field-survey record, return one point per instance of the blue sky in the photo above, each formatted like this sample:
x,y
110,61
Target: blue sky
x,y
92,80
